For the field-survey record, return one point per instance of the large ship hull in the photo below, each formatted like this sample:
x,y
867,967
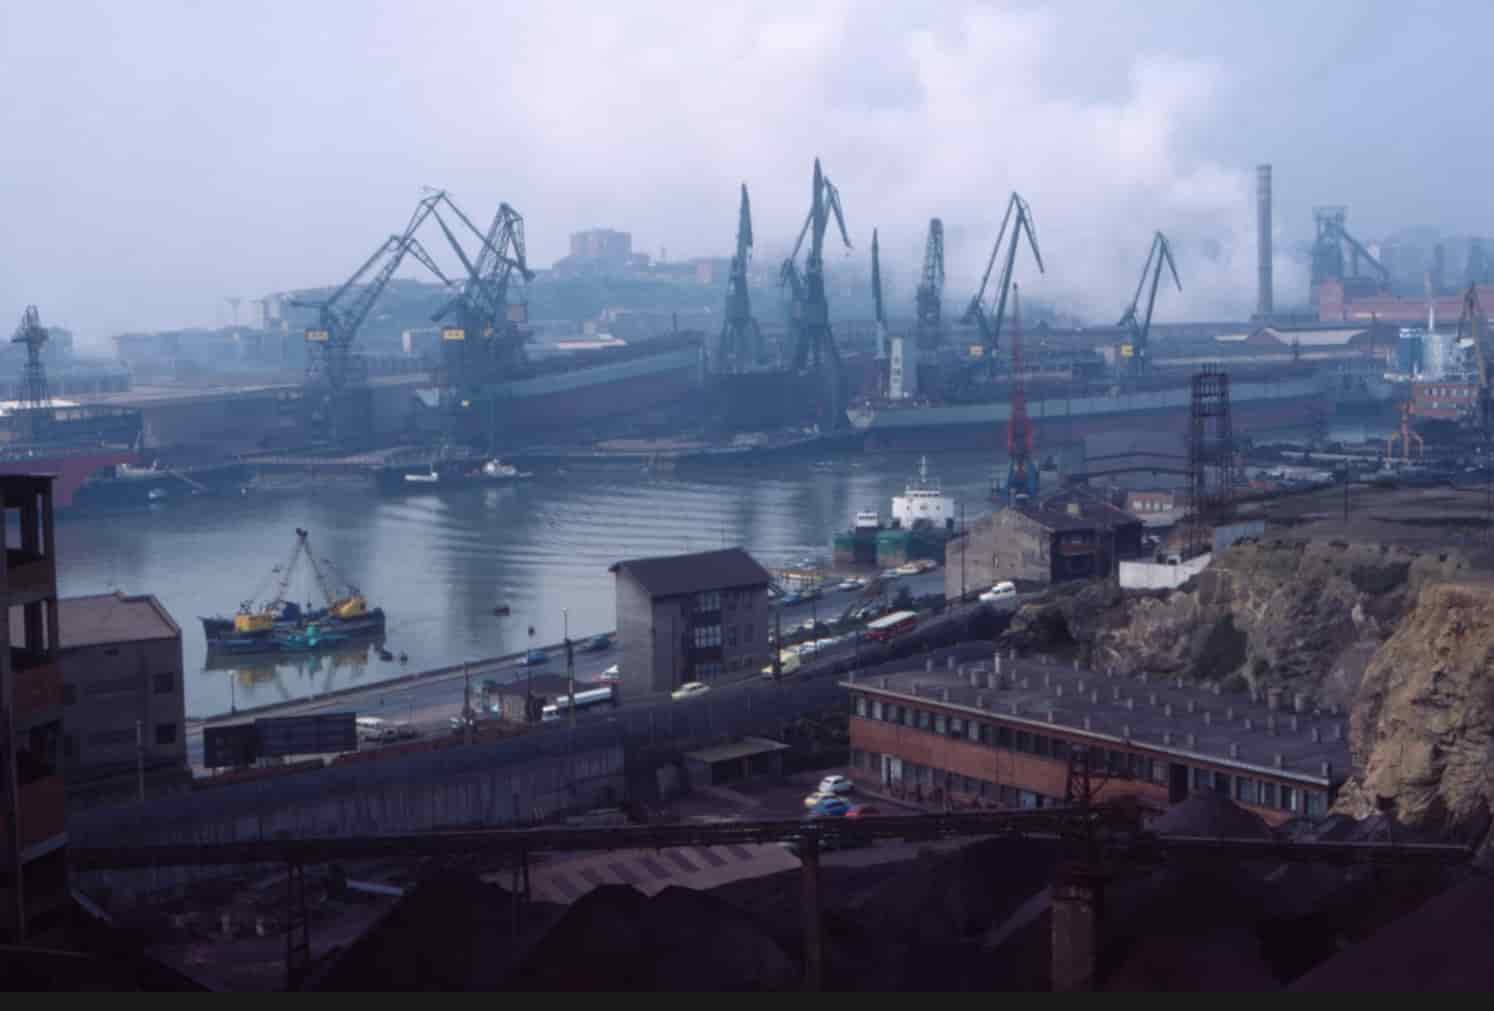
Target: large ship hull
x,y
72,468
1255,407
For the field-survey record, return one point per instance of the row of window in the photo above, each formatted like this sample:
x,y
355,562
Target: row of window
x,y
1123,764
161,684
709,636
715,600
929,780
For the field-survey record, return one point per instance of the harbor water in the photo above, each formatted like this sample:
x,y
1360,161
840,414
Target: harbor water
x,y
439,563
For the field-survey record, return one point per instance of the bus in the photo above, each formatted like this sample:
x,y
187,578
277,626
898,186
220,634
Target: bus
x,y
892,625
592,698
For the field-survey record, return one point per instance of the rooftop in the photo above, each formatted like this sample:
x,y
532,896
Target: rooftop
x,y
677,575
106,618
1148,711
1075,510
544,685
745,748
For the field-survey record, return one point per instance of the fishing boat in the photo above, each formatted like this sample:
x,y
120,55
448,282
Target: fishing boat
x,y
281,625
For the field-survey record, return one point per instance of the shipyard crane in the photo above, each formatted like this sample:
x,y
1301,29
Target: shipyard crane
x,y
741,344
330,366
876,281
1022,470
931,287
481,307
814,344
1018,218
1139,330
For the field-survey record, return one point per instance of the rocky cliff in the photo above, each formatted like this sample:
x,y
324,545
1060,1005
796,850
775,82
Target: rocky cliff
x,y
1402,636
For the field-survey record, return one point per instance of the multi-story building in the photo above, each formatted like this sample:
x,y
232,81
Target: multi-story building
x,y
121,660
690,618
605,245
973,737
33,805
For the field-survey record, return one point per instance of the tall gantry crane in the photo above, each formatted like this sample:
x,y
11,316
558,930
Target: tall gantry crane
x,y
1021,470
931,288
1018,218
32,397
331,370
1139,330
741,344
1472,324
814,344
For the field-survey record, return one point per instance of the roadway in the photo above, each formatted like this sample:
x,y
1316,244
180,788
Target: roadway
x,y
429,703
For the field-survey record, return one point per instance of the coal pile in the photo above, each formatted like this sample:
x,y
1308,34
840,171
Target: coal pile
x,y
617,938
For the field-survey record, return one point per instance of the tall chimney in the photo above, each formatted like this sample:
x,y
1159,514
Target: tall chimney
x,y
1264,304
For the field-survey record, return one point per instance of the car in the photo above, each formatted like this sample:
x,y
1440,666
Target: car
x,y
863,811
830,807
835,784
908,569
847,585
534,658
597,643
611,676
815,798
1003,596
690,689
891,574
790,599
926,564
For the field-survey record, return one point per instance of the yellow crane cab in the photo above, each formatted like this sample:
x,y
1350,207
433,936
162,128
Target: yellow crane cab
x,y
355,606
248,621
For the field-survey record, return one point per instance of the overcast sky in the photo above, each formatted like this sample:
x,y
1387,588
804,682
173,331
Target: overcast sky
x,y
157,156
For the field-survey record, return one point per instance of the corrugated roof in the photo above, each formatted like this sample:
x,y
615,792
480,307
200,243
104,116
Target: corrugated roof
x,y
745,748
674,575
104,618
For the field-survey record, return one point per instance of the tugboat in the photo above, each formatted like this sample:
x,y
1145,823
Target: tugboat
x,y
923,519
280,625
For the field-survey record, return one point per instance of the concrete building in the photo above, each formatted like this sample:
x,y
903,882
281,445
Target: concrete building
x,y
1071,534
121,660
1004,739
690,618
609,247
33,803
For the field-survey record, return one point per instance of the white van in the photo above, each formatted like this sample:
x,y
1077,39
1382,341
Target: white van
x,y
1002,596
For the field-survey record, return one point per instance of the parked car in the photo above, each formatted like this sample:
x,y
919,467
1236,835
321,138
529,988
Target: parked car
x,y
611,676
835,784
534,658
891,574
690,689
597,643
926,564
863,811
830,807
908,569
815,798
790,599
1003,596
847,585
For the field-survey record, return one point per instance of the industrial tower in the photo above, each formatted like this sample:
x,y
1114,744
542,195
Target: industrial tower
x,y
1137,350
1211,457
741,344
33,399
931,288
813,343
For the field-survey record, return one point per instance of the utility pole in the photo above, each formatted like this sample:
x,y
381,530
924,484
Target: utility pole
x,y
140,758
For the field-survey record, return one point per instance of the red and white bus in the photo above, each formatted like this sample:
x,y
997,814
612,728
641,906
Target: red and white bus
x,y
891,625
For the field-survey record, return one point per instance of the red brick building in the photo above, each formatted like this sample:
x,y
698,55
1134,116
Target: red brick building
x,y
975,738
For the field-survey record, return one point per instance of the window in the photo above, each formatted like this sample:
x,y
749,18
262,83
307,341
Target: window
x,y
165,683
1042,746
956,727
972,731
925,719
987,734
710,601
860,705
857,759
876,709
1003,737
731,636
1289,798
941,724
1159,771
1245,791
1317,803
1024,742
707,636
1060,749
907,713
1221,784
1268,794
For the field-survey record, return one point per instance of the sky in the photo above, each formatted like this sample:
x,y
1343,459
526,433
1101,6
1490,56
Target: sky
x,y
157,157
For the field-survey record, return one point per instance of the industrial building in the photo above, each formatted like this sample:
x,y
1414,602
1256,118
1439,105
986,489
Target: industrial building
x,y
692,617
125,702
1072,534
1005,738
34,896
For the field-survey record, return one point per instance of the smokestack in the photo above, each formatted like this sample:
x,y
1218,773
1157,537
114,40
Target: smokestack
x,y
1263,300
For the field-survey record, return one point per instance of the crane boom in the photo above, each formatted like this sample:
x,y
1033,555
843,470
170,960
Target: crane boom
x,y
929,299
1019,218
813,341
1159,255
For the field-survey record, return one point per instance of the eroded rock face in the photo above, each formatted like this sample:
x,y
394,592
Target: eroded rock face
x,y
1268,612
1422,727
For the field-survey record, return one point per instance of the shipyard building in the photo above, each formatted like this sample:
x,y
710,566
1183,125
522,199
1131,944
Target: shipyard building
x,y
992,736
